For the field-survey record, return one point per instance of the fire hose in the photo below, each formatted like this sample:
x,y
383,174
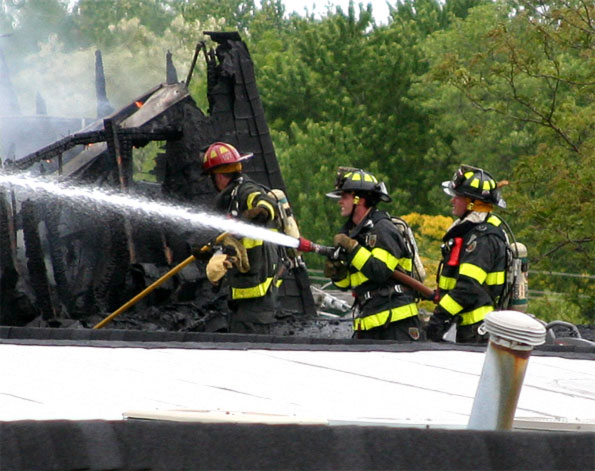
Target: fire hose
x,y
333,253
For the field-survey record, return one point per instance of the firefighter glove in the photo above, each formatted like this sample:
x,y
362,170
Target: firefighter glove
x,y
345,241
240,253
336,270
257,215
218,266
438,324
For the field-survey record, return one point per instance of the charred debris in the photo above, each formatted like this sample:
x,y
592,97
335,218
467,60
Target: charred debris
x,y
64,267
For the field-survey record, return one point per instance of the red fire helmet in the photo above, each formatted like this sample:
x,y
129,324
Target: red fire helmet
x,y
219,154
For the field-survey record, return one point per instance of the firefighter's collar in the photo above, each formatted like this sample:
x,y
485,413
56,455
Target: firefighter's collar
x,y
474,217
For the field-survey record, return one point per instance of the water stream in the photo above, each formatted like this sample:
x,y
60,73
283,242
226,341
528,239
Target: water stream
x,y
94,199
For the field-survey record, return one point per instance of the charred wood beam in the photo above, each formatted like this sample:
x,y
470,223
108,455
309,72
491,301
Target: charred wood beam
x,y
137,136
121,152
171,75
57,254
7,267
108,289
103,105
35,260
58,148
200,45
8,245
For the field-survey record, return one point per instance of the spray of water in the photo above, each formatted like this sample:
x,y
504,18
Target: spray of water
x,y
188,217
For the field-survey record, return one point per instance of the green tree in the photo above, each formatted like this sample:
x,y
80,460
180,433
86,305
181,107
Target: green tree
x,y
236,13
96,20
520,77
27,23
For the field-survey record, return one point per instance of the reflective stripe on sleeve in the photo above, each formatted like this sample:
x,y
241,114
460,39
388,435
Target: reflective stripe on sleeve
x,y
250,200
344,283
477,315
406,264
385,257
357,279
450,305
446,282
361,257
473,271
268,206
496,278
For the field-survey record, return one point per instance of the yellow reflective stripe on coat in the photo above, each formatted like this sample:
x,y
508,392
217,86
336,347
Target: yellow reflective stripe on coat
x,y
446,282
473,271
251,243
250,200
496,278
477,315
406,263
252,292
494,221
357,279
344,283
385,257
268,206
450,305
361,257
379,319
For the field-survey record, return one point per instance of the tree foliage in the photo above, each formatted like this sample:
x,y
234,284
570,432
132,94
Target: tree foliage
x,y
525,72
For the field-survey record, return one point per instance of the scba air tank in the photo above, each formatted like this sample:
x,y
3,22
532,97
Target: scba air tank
x,y
289,223
520,293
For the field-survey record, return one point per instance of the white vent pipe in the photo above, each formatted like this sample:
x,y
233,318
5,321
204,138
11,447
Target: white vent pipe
x,y
513,335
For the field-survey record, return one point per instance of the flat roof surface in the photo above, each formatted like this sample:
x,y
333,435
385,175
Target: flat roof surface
x,y
366,385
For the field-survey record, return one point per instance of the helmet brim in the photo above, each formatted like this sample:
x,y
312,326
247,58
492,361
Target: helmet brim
x,y
448,189
247,156
334,194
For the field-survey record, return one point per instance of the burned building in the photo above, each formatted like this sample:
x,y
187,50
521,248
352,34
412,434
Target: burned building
x,y
62,266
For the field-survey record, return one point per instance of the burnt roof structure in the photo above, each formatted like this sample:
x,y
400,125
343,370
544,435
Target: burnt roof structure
x,y
78,267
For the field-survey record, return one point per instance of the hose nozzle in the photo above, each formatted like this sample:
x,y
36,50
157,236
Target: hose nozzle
x,y
309,246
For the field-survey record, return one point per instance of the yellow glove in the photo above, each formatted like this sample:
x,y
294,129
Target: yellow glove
x,y
242,264
217,267
345,241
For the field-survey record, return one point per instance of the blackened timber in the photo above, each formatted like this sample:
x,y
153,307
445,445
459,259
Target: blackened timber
x,y
113,267
35,260
92,137
170,68
200,45
7,248
121,153
57,250
103,106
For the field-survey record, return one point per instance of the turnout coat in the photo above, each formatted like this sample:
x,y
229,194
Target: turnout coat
x,y
379,300
240,195
472,273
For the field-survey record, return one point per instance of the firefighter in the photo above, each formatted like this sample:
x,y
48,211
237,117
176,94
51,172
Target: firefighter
x,y
373,247
472,273
253,291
